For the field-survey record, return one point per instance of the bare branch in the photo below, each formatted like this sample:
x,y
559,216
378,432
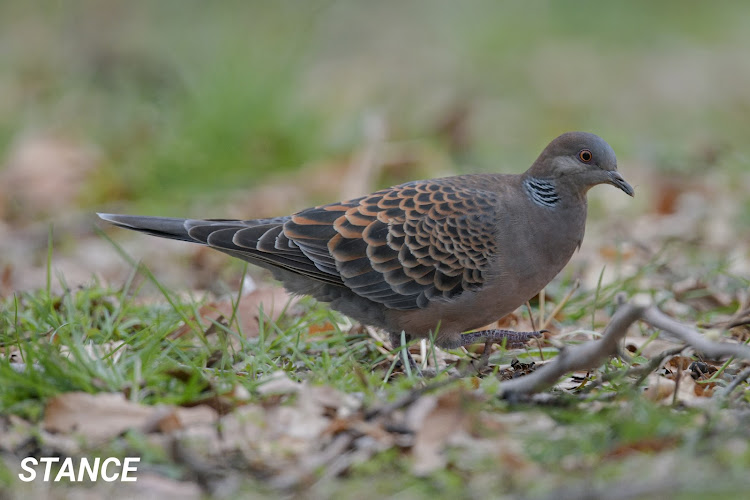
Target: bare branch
x,y
592,354
580,357
736,382
658,319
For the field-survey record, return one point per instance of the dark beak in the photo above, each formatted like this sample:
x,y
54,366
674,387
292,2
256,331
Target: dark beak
x,y
616,180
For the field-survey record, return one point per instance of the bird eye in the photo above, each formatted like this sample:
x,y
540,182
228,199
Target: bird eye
x,y
585,155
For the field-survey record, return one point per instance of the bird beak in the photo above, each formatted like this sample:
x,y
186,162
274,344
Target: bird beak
x,y
617,180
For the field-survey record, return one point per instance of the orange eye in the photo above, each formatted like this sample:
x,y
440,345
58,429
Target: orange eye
x,y
585,155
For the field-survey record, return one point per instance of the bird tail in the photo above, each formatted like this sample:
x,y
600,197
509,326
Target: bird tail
x,y
164,227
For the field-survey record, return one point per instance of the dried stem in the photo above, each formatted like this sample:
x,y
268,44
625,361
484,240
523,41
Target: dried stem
x,y
592,354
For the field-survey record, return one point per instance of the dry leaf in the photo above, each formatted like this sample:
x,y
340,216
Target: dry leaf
x,y
678,364
97,416
444,417
181,418
648,347
278,382
340,403
659,388
691,394
662,389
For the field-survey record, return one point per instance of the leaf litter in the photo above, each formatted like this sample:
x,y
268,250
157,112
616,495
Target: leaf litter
x,y
289,433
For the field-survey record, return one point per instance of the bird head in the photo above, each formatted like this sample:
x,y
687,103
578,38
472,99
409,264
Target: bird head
x,y
581,160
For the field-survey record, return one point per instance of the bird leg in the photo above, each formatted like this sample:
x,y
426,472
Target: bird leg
x,y
509,338
402,350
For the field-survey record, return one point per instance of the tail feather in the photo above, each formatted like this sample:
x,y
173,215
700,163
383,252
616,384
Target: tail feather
x,y
164,227
239,239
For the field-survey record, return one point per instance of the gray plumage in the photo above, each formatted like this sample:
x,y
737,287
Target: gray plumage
x,y
458,252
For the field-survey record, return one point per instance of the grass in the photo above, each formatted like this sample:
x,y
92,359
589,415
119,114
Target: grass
x,y
135,349
96,339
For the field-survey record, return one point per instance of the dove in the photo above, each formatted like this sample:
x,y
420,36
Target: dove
x,y
433,258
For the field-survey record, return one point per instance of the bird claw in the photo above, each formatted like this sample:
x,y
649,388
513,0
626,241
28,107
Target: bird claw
x,y
509,338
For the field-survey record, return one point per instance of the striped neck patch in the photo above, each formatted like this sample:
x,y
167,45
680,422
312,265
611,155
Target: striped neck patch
x,y
541,191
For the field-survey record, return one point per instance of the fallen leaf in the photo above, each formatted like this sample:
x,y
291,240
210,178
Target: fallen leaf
x,y
688,392
648,347
444,416
278,382
181,418
659,388
677,364
97,416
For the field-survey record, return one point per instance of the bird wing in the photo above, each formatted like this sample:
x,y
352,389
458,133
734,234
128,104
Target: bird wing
x,y
260,240
402,246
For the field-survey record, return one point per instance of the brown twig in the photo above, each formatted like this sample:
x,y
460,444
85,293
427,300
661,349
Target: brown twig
x,y
658,319
736,381
592,354
572,358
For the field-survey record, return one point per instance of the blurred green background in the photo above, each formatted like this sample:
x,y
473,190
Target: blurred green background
x,y
185,100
